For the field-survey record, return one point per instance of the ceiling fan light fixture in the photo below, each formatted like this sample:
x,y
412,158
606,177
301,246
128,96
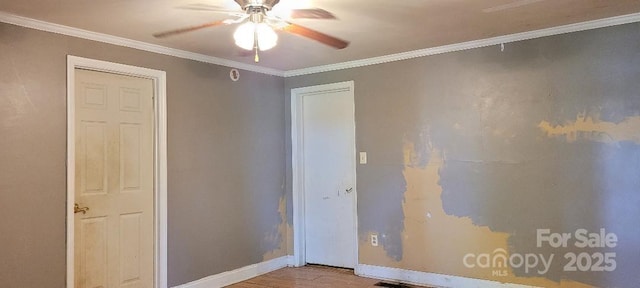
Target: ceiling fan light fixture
x,y
267,38
245,36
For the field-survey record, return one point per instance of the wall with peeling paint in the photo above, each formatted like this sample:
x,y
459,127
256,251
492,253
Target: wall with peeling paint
x,y
226,160
472,152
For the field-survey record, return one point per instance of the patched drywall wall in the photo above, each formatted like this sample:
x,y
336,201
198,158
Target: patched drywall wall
x,y
428,228
226,156
590,129
516,166
279,235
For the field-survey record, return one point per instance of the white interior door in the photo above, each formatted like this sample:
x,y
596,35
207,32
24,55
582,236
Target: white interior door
x,y
114,240
329,177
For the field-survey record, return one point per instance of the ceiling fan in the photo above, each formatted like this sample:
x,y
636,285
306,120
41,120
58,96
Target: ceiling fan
x,y
258,25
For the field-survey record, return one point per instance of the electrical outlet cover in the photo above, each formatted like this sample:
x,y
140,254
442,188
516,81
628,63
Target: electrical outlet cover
x,y
374,240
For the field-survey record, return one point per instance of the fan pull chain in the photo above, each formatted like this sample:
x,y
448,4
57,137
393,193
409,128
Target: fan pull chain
x,y
255,45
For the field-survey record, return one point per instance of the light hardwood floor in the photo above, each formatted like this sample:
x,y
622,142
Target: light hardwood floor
x,y
309,276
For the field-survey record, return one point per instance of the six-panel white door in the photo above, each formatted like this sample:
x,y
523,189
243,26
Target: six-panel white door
x,y
329,177
114,242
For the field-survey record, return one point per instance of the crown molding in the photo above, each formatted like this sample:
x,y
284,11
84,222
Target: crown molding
x,y
80,33
109,39
582,26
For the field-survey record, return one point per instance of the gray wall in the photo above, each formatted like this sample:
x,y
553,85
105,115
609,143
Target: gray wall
x,y
495,145
225,159
466,128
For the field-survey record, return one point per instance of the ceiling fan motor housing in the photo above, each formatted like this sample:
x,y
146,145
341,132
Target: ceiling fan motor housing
x,y
264,4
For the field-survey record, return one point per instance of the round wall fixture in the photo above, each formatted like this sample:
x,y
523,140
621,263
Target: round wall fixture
x,y
234,74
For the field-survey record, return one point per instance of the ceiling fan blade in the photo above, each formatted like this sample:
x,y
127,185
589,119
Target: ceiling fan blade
x,y
207,7
189,29
316,13
315,35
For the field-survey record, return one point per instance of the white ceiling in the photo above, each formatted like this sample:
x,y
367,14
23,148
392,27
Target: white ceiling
x,y
374,27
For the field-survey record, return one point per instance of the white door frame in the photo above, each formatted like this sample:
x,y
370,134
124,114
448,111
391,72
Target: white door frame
x,y
160,158
297,168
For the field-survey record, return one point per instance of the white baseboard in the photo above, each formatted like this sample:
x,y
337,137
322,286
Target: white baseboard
x,y
427,279
369,271
240,274
291,261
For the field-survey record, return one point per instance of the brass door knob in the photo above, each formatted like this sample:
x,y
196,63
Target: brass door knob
x,y
77,209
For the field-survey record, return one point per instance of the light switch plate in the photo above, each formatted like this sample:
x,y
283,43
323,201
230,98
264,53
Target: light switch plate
x,y
363,157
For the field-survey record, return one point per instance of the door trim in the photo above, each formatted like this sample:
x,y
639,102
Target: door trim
x,y
297,168
160,158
